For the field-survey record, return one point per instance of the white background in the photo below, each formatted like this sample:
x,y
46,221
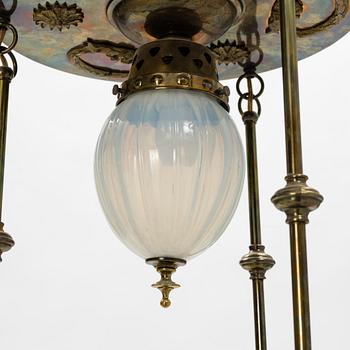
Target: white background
x,y
70,284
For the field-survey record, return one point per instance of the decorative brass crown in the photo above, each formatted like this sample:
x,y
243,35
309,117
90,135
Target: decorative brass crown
x,y
174,63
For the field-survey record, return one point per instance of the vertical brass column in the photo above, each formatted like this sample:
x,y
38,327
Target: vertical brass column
x,y
296,199
6,75
257,262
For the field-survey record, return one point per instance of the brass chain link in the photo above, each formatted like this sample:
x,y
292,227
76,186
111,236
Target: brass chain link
x,y
249,67
5,26
7,50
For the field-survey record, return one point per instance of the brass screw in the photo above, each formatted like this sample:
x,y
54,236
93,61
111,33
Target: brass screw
x,y
227,91
207,84
157,79
183,80
115,90
138,83
224,91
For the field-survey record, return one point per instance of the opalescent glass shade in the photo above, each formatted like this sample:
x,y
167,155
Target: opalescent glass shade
x,y
169,170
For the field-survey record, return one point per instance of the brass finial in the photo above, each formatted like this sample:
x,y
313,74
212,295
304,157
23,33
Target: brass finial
x,y
166,267
6,241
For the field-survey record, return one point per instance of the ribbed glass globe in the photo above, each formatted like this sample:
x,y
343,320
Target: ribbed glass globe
x,y
169,170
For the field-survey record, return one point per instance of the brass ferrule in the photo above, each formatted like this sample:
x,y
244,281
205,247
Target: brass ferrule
x,y
250,116
174,63
6,73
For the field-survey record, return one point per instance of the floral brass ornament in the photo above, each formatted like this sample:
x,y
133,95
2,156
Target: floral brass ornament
x,y
229,52
339,12
57,15
120,52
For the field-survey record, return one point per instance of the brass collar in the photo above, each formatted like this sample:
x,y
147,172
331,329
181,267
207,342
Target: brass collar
x,y
174,63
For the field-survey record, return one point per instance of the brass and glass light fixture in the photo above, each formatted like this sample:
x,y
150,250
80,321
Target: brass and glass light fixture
x,y
169,162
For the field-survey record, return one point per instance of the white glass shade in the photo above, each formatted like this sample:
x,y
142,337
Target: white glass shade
x,y
169,170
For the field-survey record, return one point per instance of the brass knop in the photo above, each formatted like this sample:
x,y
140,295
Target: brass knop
x,y
6,241
166,267
257,262
297,199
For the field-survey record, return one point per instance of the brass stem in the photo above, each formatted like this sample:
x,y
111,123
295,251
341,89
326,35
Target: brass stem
x,y
291,87
5,79
6,75
253,183
255,233
301,309
259,314
296,207
257,262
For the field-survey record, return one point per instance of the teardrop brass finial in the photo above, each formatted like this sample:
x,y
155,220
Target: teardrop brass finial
x,y
166,267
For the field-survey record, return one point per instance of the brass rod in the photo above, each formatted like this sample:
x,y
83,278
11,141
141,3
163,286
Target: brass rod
x,y
259,314
6,75
257,262
255,233
302,330
253,183
250,94
291,87
5,79
302,333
